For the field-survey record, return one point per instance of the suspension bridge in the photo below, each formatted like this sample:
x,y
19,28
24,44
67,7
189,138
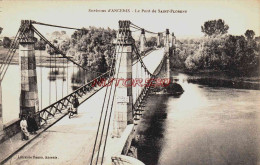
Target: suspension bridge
x,y
103,130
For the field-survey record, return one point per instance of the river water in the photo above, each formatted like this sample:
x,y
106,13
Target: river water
x,y
205,125
53,84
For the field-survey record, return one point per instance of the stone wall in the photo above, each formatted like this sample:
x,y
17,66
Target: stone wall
x,y
10,130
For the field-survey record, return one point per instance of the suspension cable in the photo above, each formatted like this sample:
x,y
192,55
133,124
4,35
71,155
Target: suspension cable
x,y
55,72
140,59
58,50
99,123
41,75
45,24
84,74
50,81
73,75
63,72
135,30
109,118
142,63
138,27
10,56
67,80
135,25
102,115
136,76
10,48
105,118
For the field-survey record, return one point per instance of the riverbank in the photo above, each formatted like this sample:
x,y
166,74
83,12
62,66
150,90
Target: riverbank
x,y
43,59
221,79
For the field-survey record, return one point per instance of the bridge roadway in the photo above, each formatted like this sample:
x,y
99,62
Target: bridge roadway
x,y
72,140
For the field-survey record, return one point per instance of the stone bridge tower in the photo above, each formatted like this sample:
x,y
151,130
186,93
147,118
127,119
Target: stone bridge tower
x,y
142,41
167,51
29,94
123,102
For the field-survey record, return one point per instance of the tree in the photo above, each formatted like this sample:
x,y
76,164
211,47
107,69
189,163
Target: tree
x,y
40,45
249,34
214,27
55,41
56,34
102,64
64,46
84,59
35,39
63,32
190,64
151,42
78,34
6,42
50,50
94,45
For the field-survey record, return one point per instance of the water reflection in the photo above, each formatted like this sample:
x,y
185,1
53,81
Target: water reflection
x,y
204,125
57,73
151,134
54,83
78,78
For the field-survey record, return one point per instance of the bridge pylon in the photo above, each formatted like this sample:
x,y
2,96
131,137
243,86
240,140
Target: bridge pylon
x,y
173,46
1,111
167,51
123,103
142,41
173,41
29,93
167,41
159,40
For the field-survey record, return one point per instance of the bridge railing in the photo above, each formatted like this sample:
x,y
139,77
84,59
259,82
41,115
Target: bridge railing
x,y
148,49
61,105
144,91
143,54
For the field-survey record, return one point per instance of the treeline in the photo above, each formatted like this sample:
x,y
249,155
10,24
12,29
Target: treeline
x,y
39,44
94,48
150,44
219,51
91,48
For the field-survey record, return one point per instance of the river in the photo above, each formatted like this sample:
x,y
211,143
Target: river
x,y
63,82
205,125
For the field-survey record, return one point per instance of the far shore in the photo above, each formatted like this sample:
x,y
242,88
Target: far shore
x,y
221,79
42,58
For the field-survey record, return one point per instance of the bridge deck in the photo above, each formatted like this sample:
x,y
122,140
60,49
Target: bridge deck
x,y
153,59
72,140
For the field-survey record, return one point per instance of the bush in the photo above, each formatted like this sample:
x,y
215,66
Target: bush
x,y
6,42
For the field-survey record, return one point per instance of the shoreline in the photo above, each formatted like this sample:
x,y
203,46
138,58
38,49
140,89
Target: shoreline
x,y
58,65
221,79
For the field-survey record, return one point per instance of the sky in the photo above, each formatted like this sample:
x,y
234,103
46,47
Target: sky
x,y
240,15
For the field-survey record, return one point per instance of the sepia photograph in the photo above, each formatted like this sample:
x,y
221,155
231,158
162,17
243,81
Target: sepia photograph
x,y
128,82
